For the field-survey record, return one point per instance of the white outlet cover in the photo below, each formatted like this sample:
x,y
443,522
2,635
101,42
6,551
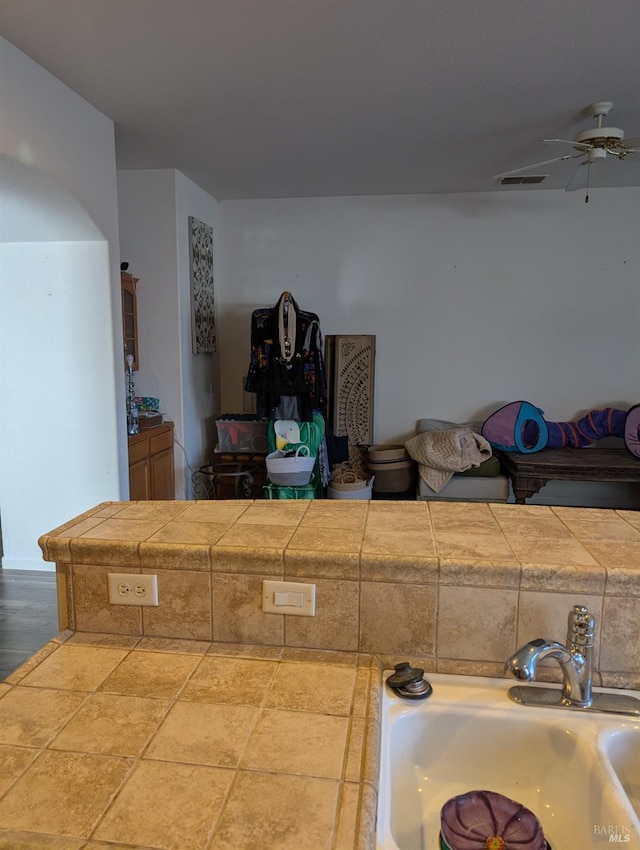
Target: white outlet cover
x,y
289,597
132,589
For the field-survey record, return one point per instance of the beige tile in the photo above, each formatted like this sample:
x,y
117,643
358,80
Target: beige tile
x,y
174,556
237,610
398,517
620,635
110,508
547,527
320,656
492,669
233,559
214,511
258,535
296,687
411,569
275,812
117,553
245,650
93,613
355,749
614,553
190,533
10,840
298,742
321,514
408,543
151,674
474,548
233,681
203,733
545,615
310,539
347,817
367,812
185,606
112,725
75,668
120,530
103,640
585,514
157,644
623,580
31,663
167,806
273,514
579,579
408,622
30,718
335,624
312,564
13,762
81,527
476,623
453,512
533,551
490,574
485,523
63,793
613,529
154,511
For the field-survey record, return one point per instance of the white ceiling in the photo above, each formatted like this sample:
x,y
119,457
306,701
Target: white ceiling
x,y
292,98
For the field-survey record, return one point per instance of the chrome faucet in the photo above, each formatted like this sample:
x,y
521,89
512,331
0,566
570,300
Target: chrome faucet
x,y
576,662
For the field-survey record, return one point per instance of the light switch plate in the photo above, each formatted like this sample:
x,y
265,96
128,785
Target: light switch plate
x,y
289,597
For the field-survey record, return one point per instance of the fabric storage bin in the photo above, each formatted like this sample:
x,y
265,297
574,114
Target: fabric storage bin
x,y
392,467
290,470
276,491
238,432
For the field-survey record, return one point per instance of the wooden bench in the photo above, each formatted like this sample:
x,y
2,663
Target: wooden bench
x,y
530,472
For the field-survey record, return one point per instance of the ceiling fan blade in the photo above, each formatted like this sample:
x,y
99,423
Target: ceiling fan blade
x,y
632,143
536,165
582,145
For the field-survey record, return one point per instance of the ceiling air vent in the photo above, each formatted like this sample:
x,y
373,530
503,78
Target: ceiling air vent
x,y
523,181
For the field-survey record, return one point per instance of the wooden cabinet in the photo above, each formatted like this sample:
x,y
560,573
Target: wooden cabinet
x,y
130,317
151,470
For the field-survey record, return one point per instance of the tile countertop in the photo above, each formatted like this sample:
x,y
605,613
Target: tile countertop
x,y
117,742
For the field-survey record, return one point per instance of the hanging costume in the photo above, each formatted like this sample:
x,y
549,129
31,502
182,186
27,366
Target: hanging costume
x,y
286,369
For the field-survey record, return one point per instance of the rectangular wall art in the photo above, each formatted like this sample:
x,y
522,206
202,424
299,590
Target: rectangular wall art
x,y
203,325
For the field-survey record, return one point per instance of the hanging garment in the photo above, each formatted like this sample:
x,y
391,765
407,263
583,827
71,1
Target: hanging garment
x,y
286,368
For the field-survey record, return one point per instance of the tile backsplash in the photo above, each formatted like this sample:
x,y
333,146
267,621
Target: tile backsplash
x,y
455,586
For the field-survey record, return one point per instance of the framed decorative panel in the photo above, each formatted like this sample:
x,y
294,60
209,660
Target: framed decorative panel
x,y
203,324
350,362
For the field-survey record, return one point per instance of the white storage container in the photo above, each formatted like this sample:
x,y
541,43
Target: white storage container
x,y
289,470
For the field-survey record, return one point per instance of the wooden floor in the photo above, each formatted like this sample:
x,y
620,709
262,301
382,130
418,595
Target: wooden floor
x,y
28,615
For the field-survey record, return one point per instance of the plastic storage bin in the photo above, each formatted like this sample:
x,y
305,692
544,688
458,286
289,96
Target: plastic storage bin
x,y
240,433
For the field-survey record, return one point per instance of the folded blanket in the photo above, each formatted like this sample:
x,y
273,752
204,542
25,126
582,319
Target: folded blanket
x,y
441,453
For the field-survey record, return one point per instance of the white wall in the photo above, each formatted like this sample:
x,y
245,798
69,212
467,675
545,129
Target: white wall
x,y
63,432
476,300
154,209
200,372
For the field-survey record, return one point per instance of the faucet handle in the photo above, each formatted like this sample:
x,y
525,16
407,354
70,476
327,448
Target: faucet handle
x,y
581,626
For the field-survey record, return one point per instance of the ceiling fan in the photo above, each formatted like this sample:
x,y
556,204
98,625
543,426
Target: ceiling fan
x,y
592,146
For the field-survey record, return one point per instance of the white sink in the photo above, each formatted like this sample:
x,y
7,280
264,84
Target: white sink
x,y
579,773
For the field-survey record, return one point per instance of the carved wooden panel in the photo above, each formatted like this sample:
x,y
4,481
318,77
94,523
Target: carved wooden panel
x,y
350,374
